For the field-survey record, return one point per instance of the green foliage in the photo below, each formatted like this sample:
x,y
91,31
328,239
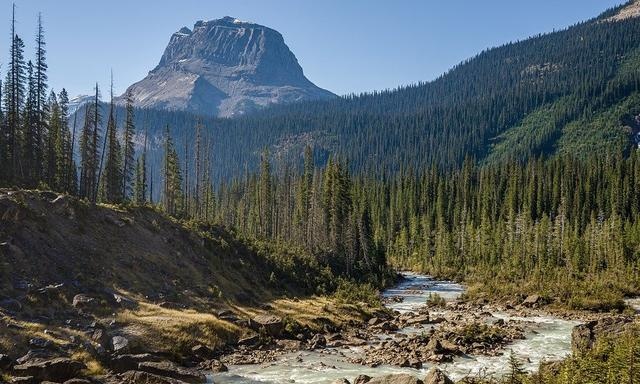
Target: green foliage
x,y
352,292
435,300
613,360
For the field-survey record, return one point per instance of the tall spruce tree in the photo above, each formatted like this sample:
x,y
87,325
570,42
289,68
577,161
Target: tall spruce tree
x,y
14,98
89,151
128,158
172,198
112,178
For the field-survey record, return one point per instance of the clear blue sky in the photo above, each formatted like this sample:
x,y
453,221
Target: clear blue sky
x,y
343,45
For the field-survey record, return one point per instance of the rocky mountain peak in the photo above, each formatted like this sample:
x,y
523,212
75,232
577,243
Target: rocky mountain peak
x,y
225,67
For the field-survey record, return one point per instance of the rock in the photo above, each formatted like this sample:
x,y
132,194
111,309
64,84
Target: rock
x,y
395,379
249,340
170,305
436,376
77,381
374,321
217,366
24,380
449,347
5,362
340,381
168,369
124,363
270,324
437,320
202,351
317,342
119,344
289,345
124,302
423,319
82,301
585,335
388,326
411,363
434,346
533,301
100,336
362,379
57,369
35,354
12,305
39,342
137,377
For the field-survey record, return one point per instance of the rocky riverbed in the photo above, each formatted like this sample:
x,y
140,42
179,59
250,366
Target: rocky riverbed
x,y
412,337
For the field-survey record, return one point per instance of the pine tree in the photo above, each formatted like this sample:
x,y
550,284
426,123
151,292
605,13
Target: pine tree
x,y
265,197
14,95
89,151
112,178
129,149
40,104
172,191
140,189
31,143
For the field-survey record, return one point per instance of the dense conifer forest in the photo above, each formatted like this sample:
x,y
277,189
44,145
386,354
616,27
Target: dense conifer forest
x,y
516,166
516,172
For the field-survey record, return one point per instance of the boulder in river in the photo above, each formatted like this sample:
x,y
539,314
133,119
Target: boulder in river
x,y
362,379
396,379
436,376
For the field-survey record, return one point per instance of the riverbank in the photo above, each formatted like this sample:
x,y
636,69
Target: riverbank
x,y
460,337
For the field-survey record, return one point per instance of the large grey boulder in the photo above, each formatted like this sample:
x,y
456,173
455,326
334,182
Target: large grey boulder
x,y
270,324
57,369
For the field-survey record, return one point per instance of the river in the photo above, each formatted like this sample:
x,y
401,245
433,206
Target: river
x,y
549,339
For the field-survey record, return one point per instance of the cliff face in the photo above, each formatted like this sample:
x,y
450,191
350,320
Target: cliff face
x,y
227,68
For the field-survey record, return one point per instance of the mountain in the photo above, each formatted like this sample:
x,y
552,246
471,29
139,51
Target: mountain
x,y
225,67
574,91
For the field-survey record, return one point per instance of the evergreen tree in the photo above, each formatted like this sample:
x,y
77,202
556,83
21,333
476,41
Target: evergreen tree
x,y
129,149
172,191
112,178
89,151
140,189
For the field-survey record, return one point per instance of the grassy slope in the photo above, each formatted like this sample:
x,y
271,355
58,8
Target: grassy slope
x,y
150,258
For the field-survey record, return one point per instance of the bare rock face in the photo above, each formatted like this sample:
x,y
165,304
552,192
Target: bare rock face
x,y
584,336
225,67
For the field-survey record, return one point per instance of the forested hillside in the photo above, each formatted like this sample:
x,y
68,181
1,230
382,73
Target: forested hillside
x,y
568,92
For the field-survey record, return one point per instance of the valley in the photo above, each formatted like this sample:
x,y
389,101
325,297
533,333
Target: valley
x,y
225,220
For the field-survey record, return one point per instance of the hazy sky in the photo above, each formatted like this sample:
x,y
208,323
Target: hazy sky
x,y
343,45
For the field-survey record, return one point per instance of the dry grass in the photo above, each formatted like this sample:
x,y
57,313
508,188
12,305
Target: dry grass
x,y
94,367
16,338
311,311
175,331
